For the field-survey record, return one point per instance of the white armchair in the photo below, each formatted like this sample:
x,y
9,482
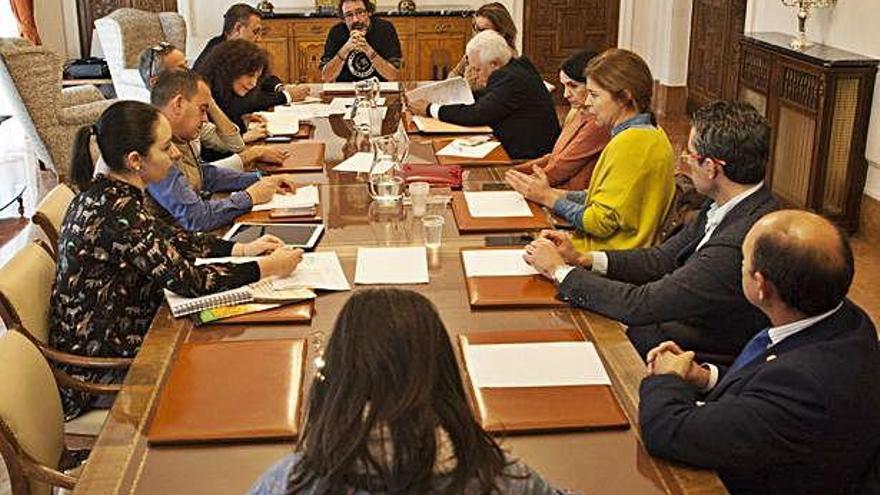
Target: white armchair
x,y
31,76
124,34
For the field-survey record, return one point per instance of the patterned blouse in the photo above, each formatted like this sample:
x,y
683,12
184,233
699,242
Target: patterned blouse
x,y
517,479
114,259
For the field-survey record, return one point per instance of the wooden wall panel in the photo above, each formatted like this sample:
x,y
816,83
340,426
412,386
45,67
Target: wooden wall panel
x,y
713,65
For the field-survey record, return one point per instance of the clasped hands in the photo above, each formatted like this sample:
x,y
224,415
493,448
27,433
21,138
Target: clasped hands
x,y
357,41
553,249
669,359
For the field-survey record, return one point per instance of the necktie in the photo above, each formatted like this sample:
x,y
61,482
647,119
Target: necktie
x,y
754,348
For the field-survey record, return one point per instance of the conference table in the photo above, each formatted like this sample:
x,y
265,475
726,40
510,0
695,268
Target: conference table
x,y
600,461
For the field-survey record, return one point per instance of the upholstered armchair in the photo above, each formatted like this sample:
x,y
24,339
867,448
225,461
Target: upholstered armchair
x,y
31,76
124,34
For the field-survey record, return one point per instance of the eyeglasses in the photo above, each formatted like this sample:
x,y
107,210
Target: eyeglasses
x,y
158,50
351,14
689,158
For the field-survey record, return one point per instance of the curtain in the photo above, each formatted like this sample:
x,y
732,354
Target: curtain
x,y
27,26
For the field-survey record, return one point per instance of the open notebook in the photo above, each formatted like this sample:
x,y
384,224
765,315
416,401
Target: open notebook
x,y
260,292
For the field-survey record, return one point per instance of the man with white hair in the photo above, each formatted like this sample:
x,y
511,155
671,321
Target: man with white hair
x,y
515,102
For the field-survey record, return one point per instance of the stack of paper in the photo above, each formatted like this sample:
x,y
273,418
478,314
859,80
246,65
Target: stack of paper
x,y
462,148
303,197
407,265
544,364
308,111
433,126
495,263
361,163
452,91
281,123
341,103
496,204
318,271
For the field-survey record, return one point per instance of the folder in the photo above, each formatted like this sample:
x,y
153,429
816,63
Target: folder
x,y
288,313
496,157
540,409
305,156
467,223
428,125
231,391
512,291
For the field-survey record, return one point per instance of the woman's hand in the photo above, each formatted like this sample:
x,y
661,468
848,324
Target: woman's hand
x,y
534,187
281,263
264,245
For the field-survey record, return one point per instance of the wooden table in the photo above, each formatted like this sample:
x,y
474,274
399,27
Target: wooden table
x,y
603,462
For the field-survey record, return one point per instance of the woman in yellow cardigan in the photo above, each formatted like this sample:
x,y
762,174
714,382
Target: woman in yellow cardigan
x,y
632,185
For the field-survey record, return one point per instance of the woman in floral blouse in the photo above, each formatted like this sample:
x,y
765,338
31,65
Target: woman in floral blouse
x,y
388,413
114,257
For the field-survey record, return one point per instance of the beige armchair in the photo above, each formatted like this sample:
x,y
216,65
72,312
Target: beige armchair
x,y
31,76
50,212
124,34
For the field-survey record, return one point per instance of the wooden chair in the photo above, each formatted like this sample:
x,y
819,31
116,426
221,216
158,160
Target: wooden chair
x,y
25,289
32,422
50,213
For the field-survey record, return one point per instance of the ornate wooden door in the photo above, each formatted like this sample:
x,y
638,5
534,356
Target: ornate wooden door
x,y
554,29
716,26
89,10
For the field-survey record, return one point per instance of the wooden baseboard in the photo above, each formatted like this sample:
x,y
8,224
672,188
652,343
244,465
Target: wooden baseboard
x,y
869,219
670,100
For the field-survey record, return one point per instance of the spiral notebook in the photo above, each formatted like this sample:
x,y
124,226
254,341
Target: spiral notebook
x,y
262,292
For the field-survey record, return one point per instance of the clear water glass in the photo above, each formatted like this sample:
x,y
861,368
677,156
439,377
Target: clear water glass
x,y
432,225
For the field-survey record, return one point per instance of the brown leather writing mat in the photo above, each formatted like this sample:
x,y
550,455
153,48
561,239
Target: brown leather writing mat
x,y
467,223
231,391
535,409
305,156
514,291
496,157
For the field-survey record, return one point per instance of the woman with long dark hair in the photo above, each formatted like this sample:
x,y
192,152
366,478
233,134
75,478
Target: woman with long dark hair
x,y
115,258
233,70
388,413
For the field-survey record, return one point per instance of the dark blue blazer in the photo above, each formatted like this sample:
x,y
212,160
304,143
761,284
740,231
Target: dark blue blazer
x,y
804,418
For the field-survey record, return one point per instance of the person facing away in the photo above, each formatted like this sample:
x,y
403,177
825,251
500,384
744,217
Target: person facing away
x,y
515,103
570,165
219,134
361,46
688,288
796,412
492,16
234,71
185,193
243,22
393,418
115,258
632,185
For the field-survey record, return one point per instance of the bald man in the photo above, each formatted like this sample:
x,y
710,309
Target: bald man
x,y
799,410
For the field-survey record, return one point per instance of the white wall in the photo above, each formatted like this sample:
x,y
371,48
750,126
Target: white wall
x,y
851,25
659,31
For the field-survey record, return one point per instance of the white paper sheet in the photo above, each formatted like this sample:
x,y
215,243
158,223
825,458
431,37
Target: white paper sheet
x,y
304,196
309,111
406,265
348,87
544,364
340,103
452,91
496,263
228,259
363,117
305,101
458,147
318,271
360,163
430,125
286,122
496,204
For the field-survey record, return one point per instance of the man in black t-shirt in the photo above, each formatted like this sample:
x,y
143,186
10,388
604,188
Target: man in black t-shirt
x,y
360,47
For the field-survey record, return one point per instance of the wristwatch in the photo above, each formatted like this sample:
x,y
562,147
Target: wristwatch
x,y
561,272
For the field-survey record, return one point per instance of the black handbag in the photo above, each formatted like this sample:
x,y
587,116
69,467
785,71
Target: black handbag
x,y
87,68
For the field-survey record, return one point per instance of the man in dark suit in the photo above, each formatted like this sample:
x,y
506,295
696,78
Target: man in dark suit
x,y
686,289
242,21
515,102
797,411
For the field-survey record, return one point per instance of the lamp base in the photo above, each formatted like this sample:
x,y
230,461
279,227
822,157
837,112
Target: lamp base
x,y
800,42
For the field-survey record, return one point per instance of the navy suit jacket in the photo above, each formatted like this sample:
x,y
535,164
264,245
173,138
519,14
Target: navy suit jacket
x,y
695,297
800,419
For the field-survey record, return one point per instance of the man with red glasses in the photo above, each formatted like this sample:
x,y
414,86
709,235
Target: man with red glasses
x,y
361,47
687,289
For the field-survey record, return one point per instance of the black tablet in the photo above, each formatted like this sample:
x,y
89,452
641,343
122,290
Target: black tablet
x,y
299,235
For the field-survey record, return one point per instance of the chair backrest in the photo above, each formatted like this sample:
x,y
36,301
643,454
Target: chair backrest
x,y
51,210
31,76
31,418
685,207
125,33
25,289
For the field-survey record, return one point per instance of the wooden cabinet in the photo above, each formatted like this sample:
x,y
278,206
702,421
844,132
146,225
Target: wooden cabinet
x,y
716,27
431,45
818,102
